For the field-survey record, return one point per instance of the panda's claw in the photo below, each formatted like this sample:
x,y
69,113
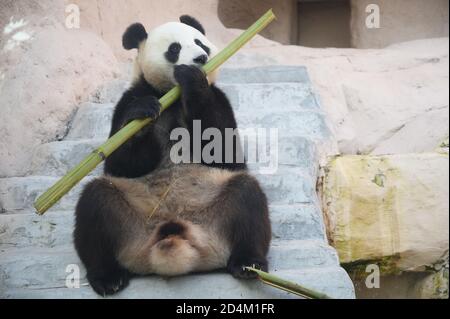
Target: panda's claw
x,y
142,108
239,270
111,285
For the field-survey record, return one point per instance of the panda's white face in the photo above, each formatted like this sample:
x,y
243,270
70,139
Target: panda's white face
x,y
167,46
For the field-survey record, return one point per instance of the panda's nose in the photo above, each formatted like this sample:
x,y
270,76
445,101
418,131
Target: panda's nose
x,y
202,59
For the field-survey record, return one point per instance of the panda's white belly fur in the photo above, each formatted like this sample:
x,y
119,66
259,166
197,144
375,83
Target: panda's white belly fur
x,y
185,197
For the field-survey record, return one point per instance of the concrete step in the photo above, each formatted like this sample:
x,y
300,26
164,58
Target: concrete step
x,y
275,97
268,75
310,125
289,185
283,255
270,97
92,121
20,230
302,221
333,281
17,194
43,274
264,74
301,254
57,158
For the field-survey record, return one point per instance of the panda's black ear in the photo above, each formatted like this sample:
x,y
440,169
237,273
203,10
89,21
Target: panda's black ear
x,y
134,35
190,21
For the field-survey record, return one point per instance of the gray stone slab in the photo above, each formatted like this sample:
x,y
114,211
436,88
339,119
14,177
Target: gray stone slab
x,y
46,270
57,158
92,121
310,125
17,194
292,222
289,185
332,281
266,74
55,228
301,254
31,230
267,98
47,266
289,151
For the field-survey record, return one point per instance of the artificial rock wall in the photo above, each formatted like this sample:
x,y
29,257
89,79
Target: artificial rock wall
x,y
400,21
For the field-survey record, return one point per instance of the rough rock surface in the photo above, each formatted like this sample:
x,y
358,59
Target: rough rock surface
x,y
299,251
45,71
400,20
389,210
435,285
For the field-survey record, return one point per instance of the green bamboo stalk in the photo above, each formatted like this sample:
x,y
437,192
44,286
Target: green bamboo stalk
x,y
65,184
288,286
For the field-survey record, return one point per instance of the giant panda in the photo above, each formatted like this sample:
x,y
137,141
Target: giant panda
x,y
177,220
170,54
148,215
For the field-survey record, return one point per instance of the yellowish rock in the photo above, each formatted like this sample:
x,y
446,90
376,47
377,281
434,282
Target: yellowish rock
x,y
434,286
390,210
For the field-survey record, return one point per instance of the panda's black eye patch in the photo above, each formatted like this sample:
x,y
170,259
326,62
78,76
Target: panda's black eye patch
x,y
173,52
204,47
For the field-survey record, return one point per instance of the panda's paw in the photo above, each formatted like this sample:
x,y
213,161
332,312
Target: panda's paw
x,y
110,284
190,76
238,268
141,108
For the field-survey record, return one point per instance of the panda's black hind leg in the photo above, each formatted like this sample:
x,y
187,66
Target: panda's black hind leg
x,y
248,226
98,234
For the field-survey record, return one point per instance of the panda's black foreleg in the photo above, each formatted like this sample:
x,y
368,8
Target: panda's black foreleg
x,y
201,101
248,225
209,105
134,108
196,93
97,236
140,154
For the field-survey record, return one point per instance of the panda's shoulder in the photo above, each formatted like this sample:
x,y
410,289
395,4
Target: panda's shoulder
x,y
220,95
141,87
